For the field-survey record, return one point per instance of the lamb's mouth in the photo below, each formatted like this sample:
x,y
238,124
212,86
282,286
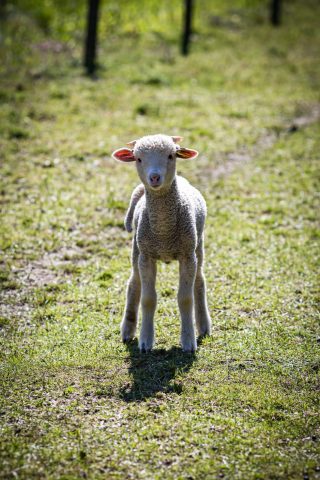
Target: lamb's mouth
x,y
156,186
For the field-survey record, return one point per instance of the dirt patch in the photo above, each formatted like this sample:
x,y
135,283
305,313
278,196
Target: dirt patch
x,y
311,115
236,159
51,46
14,306
49,270
233,160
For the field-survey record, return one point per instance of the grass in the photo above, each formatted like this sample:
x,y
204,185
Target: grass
x,y
75,402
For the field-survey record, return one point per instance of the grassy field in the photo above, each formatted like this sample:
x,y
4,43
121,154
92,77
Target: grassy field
x,y
75,402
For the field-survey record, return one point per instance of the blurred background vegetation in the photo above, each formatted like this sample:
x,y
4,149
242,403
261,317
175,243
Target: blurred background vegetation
x,y
234,52
65,21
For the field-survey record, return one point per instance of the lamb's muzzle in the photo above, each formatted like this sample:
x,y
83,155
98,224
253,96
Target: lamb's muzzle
x,y
154,180
169,215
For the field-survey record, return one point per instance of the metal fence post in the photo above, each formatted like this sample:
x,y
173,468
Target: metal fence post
x,y
187,27
275,12
91,37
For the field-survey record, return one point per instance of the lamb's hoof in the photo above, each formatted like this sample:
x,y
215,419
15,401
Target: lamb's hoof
x,y
189,350
127,337
189,346
127,331
145,347
127,340
204,328
204,333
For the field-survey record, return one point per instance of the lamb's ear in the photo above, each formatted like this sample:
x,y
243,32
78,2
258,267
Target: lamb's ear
x,y
186,153
177,139
124,155
132,143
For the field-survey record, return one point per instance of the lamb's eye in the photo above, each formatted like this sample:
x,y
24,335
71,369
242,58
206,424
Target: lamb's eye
x,y
139,160
170,157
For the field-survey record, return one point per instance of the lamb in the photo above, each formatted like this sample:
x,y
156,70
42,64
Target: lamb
x,y
169,216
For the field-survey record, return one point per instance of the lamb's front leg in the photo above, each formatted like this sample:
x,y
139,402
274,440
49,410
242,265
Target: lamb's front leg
x,y
130,317
148,270
188,267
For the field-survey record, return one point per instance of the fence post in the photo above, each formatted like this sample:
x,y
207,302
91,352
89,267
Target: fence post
x,y
187,27
91,37
3,9
275,12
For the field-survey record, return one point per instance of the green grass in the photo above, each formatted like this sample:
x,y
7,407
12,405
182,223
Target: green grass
x,y
75,402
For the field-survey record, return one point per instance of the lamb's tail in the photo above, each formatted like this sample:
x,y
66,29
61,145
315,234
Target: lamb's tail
x,y
137,193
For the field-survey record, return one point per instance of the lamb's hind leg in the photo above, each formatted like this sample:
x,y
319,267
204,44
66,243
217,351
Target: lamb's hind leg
x,y
203,320
130,317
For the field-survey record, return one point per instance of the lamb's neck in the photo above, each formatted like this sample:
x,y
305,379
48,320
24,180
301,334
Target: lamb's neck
x,y
162,209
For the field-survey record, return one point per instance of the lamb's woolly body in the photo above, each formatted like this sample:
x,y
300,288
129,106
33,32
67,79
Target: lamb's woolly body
x,y
169,226
169,223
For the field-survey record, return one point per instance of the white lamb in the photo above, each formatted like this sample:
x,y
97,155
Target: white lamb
x,y
169,216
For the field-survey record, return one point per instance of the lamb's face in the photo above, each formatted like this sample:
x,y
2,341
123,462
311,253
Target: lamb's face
x,y
155,157
156,162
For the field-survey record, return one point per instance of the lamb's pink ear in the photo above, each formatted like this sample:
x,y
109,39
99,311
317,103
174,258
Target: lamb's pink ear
x,y
186,153
124,155
177,139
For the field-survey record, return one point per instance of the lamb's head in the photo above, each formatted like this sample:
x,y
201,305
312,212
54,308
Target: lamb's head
x,y
155,157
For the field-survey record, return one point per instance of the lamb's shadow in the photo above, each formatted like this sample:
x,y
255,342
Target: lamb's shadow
x,y
155,372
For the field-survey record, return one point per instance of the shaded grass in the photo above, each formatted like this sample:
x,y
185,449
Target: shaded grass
x,y
76,402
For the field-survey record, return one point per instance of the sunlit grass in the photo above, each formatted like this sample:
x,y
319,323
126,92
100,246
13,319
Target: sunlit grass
x,y
75,402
